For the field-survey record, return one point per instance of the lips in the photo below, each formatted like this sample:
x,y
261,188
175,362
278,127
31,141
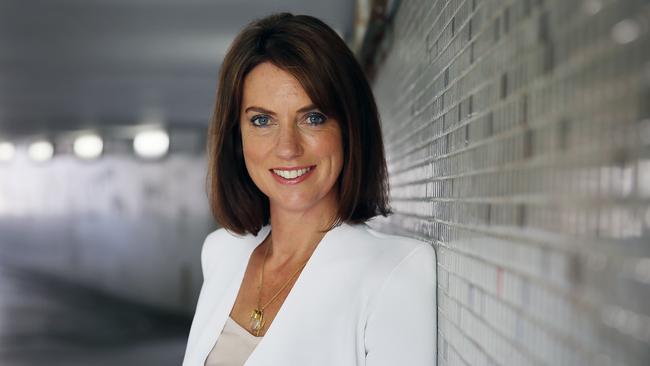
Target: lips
x,y
292,175
292,167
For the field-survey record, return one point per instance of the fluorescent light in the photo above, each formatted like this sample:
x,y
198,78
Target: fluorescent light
x,y
40,151
88,146
7,151
626,31
151,144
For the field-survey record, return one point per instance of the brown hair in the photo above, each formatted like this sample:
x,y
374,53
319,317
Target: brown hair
x,y
319,59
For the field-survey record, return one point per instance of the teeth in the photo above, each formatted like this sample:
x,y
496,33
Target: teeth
x,y
290,174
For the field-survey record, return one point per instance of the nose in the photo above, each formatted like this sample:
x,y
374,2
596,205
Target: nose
x,y
289,144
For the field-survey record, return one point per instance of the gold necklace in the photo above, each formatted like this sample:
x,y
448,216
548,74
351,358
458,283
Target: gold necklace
x,y
257,315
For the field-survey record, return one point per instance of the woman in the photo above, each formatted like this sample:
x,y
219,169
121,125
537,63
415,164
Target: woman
x,y
297,167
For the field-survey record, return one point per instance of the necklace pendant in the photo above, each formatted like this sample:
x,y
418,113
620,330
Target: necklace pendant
x,y
257,320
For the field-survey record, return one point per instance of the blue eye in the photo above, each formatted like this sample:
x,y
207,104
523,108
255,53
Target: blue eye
x,y
260,121
316,118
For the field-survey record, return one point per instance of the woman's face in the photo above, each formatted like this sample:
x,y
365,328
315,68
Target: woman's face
x,y
293,152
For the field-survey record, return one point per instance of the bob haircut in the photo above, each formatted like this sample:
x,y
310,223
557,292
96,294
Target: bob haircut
x,y
320,60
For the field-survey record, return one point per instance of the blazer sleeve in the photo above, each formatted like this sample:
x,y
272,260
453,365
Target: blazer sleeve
x,y
205,256
401,325
192,338
209,250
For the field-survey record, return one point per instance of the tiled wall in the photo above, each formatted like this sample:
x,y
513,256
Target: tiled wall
x,y
518,143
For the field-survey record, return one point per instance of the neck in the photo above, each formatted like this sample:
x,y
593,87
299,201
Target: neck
x,y
295,235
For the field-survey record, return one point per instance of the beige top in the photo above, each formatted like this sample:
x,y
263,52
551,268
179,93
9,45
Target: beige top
x,y
233,346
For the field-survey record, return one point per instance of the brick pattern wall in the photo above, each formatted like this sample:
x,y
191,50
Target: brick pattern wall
x,y
518,143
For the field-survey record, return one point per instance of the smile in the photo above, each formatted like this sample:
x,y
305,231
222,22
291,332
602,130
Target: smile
x,y
292,176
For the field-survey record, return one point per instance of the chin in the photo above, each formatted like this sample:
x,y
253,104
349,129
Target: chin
x,y
291,205
296,202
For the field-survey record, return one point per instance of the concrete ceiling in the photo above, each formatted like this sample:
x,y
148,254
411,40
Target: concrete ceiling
x,y
78,64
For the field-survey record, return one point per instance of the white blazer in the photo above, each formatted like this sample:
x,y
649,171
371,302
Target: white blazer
x,y
363,298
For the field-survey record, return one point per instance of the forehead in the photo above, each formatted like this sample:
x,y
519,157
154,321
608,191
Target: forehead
x,y
269,83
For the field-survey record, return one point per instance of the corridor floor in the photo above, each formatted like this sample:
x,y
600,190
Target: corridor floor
x,y
48,322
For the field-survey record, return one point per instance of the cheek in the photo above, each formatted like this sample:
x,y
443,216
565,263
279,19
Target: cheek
x,y
334,149
249,144
251,152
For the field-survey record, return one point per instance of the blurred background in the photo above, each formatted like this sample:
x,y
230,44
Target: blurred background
x,y
104,106
517,136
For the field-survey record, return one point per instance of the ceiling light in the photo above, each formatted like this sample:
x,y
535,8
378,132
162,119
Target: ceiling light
x,y
626,31
151,144
40,151
88,146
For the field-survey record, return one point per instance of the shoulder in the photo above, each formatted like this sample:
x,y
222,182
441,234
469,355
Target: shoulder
x,y
405,242
379,258
215,241
217,244
390,249
218,236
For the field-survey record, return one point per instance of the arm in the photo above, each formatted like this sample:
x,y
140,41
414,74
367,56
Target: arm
x,y
401,325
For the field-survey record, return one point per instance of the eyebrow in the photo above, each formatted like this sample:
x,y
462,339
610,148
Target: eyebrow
x,y
263,110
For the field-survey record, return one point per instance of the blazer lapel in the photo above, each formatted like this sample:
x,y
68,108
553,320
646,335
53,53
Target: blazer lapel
x,y
218,302
282,331
218,305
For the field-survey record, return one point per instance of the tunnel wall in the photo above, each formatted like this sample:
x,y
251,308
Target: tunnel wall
x,y
518,144
122,225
